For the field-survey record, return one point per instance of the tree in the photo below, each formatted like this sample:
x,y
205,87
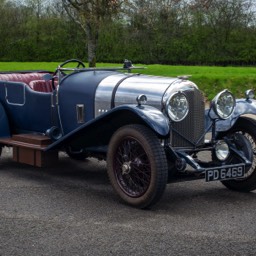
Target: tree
x,y
154,27
90,15
221,24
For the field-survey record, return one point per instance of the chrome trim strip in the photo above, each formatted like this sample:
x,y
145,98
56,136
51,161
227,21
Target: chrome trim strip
x,y
115,89
80,113
24,94
104,91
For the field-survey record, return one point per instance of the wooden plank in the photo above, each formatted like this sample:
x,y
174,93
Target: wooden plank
x,y
35,141
34,157
32,139
28,149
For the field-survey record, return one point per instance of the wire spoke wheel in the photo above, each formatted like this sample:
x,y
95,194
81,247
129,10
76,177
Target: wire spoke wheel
x,y
132,168
246,127
137,166
252,141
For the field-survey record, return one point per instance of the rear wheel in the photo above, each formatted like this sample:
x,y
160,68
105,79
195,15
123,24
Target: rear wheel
x,y
137,166
245,127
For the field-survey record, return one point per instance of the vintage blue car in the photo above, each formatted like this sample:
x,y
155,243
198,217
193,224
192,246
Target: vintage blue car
x,y
150,130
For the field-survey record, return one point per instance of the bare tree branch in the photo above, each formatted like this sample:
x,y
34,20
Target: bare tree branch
x,y
90,15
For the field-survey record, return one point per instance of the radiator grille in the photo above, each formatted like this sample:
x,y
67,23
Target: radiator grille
x,y
192,127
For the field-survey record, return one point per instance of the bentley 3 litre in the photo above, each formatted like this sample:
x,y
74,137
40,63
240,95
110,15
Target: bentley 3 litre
x,y
150,130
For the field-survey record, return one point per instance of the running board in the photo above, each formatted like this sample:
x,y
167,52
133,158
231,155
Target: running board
x,y
29,149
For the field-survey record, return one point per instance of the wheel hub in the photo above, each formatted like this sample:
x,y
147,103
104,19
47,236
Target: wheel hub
x,y
126,168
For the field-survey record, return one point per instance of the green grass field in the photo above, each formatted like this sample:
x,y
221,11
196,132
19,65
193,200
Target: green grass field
x,y
209,79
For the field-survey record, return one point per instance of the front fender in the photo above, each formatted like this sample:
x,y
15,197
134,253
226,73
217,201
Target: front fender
x,y
154,118
243,107
4,123
98,131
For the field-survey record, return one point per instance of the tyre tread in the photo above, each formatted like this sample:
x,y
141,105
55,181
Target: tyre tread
x,y
160,163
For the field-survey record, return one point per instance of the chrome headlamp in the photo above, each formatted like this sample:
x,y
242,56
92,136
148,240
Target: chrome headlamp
x,y
222,150
177,106
224,104
249,94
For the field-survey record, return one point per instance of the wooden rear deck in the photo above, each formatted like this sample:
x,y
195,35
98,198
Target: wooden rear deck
x,y
29,149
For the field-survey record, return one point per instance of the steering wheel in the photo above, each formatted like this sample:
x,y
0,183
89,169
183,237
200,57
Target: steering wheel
x,y
79,63
61,72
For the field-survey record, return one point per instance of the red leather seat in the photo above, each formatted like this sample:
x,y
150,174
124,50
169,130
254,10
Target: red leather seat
x,y
41,85
33,80
25,78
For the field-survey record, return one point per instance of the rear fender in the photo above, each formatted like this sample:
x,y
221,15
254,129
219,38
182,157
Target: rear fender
x,y
98,131
4,123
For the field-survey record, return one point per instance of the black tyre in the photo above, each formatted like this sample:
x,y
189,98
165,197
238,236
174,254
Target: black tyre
x,y
247,127
77,155
137,166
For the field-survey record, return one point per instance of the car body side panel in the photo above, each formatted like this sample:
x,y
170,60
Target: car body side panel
x,y
4,127
78,89
98,132
27,110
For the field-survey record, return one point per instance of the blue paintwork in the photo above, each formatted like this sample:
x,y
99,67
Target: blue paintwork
x,y
154,118
98,131
27,110
78,88
243,107
4,127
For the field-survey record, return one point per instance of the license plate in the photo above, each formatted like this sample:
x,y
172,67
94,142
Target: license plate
x,y
225,172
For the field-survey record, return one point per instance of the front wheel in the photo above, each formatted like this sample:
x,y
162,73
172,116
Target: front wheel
x,y
137,166
245,127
